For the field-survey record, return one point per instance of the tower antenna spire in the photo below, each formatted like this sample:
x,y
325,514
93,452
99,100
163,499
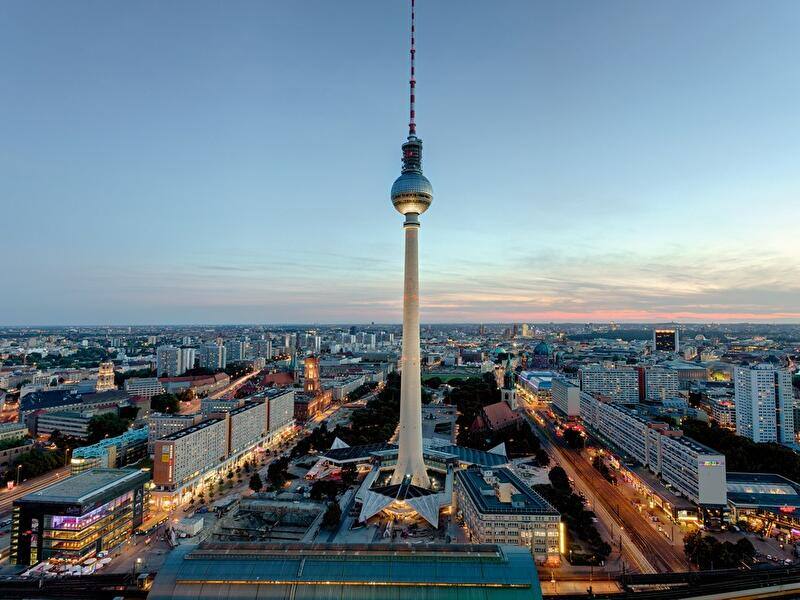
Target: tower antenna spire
x,y
412,125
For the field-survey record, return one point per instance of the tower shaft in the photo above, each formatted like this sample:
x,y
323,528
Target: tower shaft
x,y
409,458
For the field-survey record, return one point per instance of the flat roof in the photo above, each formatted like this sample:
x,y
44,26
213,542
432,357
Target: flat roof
x,y
766,490
398,571
483,497
87,487
473,456
192,429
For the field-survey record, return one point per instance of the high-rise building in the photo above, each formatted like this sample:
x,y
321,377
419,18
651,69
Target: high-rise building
x,y
764,404
620,385
411,194
212,356
665,339
188,357
566,397
657,384
262,349
169,361
234,350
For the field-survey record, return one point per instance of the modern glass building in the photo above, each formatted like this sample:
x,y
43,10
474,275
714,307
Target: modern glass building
x,y
79,516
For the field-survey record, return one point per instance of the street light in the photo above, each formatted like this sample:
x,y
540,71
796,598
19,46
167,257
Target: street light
x,y
18,469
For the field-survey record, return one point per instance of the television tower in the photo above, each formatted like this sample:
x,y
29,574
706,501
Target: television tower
x,y
412,194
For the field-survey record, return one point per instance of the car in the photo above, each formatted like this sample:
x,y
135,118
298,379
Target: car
x,y
769,556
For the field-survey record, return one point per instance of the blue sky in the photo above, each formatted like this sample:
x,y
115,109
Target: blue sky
x,y
210,162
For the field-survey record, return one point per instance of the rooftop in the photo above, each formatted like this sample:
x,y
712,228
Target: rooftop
x,y
524,501
762,489
299,571
192,429
88,487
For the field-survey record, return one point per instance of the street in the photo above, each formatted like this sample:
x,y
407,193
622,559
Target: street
x,y
641,544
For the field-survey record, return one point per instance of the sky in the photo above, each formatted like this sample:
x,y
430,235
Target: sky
x,y
229,162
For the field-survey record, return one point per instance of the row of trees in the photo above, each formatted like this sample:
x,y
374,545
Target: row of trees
x,y
578,520
743,454
707,552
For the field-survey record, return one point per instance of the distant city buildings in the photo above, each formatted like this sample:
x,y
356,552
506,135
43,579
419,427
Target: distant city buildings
x,y
764,404
666,339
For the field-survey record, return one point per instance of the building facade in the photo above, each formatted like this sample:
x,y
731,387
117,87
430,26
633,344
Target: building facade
x,y
620,385
79,516
566,397
764,404
498,507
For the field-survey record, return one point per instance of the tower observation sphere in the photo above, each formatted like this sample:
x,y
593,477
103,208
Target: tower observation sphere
x,y
412,193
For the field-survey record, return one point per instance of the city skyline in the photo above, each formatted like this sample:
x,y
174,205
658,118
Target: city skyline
x,y
643,174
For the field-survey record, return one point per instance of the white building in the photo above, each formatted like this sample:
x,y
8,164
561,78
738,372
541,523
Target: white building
x,y
566,397
763,397
620,385
697,472
499,508
146,387
658,384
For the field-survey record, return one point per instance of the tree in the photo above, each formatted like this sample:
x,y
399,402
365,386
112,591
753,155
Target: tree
x,y
558,478
186,395
542,459
573,438
277,472
332,516
104,426
324,488
255,482
349,474
165,403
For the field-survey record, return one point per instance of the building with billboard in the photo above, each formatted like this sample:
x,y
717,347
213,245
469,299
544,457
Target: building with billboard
x,y
79,516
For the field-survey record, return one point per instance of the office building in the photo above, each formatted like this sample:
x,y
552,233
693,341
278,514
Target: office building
x,y
12,431
723,411
665,339
111,453
620,385
498,507
146,387
764,404
566,397
247,425
212,356
79,516
70,423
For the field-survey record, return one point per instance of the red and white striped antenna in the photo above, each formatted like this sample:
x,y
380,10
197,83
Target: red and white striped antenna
x,y
412,125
